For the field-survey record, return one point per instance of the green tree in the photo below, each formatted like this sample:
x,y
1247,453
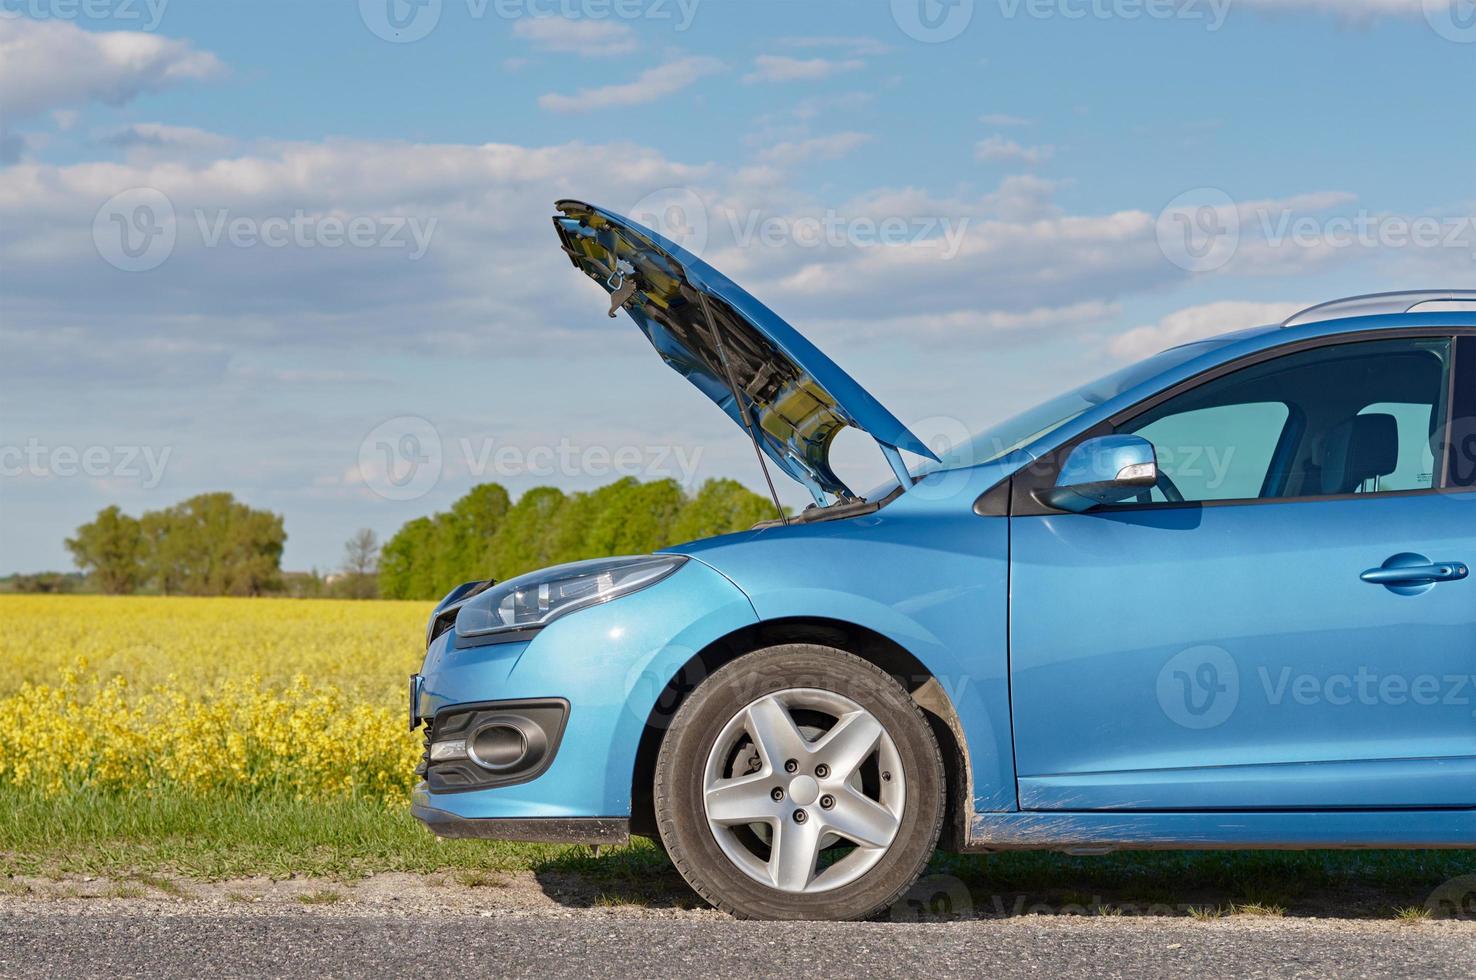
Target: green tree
x,y
479,516
526,539
633,518
401,560
112,550
213,544
482,535
720,507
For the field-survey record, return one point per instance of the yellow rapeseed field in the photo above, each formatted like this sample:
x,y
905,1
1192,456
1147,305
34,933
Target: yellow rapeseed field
x,y
304,698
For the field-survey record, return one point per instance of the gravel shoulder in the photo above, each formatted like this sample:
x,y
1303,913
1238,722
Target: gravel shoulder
x,y
522,925
191,938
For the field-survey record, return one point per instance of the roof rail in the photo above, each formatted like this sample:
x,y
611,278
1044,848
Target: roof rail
x,y
1375,304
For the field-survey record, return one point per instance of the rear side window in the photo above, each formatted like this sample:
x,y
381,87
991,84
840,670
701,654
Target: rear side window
x,y
1356,418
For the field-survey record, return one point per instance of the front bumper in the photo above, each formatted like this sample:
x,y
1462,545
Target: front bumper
x,y
611,664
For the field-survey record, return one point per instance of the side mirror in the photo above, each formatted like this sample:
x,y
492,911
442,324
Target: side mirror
x,y
1104,470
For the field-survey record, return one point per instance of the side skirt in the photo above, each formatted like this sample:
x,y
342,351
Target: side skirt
x,y
537,830
1094,833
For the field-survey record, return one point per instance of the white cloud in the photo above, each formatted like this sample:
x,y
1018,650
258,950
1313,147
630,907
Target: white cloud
x,y
1198,323
828,147
1002,262
992,326
1023,197
158,139
52,64
648,86
998,149
491,277
587,38
780,68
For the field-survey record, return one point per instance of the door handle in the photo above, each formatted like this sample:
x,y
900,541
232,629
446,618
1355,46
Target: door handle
x,y
1411,574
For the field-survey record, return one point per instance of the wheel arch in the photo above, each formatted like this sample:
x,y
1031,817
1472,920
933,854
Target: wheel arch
x,y
853,638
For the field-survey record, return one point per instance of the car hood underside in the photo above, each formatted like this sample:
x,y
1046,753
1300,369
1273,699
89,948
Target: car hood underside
x,y
763,373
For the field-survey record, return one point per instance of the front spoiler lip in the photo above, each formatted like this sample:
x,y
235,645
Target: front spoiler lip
x,y
535,830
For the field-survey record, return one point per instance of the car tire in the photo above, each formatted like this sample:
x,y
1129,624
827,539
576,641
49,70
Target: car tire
x,y
740,823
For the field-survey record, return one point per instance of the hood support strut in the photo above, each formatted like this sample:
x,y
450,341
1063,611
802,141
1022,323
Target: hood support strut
x,y
722,351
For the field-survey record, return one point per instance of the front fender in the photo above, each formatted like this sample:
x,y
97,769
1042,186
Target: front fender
x,y
928,575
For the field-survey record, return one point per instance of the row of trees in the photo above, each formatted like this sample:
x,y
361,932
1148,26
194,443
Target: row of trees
x,y
211,544
485,534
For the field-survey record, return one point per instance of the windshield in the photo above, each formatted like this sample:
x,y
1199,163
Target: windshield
x,y
1023,429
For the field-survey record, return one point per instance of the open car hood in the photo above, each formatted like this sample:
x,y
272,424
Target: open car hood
x,y
792,398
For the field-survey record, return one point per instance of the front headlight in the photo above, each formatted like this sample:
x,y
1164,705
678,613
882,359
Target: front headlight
x,y
536,599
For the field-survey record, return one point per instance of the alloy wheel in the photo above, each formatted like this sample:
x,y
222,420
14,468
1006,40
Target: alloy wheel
x,y
804,790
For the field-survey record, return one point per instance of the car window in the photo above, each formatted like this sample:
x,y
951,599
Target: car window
x,y
1021,430
1351,418
1221,453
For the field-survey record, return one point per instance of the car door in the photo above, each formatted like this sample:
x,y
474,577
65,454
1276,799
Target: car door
x,y
1262,644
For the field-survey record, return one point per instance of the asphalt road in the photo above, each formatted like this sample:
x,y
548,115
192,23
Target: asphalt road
x,y
55,942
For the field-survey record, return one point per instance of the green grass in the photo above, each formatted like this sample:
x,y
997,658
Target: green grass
x,y
479,878
1260,909
322,896
145,839
1207,913
144,836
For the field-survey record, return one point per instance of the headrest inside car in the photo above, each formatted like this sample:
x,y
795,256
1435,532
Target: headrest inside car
x,y
1358,450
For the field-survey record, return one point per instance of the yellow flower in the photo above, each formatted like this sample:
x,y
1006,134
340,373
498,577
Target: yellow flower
x,y
244,696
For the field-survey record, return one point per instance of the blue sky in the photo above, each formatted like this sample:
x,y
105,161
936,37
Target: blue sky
x,y
358,268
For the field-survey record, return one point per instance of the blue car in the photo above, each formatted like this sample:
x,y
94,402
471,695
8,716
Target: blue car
x,y
1217,599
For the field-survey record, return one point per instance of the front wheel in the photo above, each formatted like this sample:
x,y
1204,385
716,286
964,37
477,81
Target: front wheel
x,y
800,782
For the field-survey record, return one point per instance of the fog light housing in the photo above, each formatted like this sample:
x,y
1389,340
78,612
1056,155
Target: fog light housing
x,y
506,743
498,743
452,749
